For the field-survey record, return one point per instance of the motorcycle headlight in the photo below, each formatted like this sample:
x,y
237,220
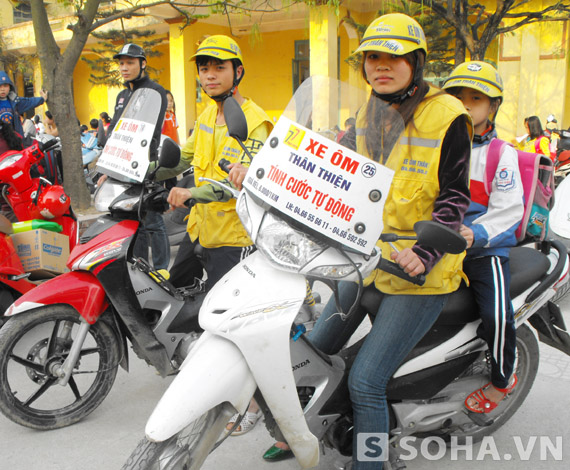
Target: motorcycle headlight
x,y
107,193
243,214
334,272
127,204
285,246
10,160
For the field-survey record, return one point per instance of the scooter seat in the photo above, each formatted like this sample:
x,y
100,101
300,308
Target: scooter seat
x,y
527,266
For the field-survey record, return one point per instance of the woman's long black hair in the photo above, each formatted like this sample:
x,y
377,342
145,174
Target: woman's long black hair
x,y
13,140
534,127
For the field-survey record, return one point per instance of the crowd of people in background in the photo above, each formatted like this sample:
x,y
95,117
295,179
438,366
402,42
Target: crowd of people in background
x,y
538,139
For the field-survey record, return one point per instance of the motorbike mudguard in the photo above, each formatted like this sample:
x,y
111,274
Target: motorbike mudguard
x,y
80,290
214,372
549,324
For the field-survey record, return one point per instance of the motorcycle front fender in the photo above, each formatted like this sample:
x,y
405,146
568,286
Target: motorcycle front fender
x,y
79,289
549,324
214,372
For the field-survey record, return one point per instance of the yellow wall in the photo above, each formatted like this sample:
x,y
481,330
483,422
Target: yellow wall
x,y
162,64
269,66
270,62
533,65
91,100
6,15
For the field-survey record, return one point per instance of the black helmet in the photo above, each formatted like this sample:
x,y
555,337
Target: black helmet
x,y
131,50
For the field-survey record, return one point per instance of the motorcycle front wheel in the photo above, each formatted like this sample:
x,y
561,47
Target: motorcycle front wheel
x,y
32,347
186,450
7,297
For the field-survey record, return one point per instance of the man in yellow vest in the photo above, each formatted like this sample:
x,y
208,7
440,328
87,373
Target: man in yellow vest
x,y
213,221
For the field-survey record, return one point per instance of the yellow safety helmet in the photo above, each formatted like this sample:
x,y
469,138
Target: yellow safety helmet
x,y
219,46
480,76
394,33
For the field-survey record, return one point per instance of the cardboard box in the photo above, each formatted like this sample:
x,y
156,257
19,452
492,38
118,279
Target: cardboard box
x,y
42,250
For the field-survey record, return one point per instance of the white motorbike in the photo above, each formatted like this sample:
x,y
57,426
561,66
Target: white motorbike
x,y
251,342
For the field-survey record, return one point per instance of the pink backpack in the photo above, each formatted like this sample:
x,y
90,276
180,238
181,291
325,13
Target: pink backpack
x,y
537,173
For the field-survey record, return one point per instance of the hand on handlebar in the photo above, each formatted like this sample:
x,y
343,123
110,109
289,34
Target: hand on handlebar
x,y
178,196
408,261
237,174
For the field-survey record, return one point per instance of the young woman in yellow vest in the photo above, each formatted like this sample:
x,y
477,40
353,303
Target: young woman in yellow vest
x,y
536,141
437,139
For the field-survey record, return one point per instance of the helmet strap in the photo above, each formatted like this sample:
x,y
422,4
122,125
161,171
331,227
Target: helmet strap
x,y
397,98
141,71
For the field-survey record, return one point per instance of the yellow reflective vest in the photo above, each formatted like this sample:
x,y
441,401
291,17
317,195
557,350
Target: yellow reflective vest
x,y
415,187
216,224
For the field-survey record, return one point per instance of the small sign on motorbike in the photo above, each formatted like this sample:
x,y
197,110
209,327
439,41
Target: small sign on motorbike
x,y
126,153
327,187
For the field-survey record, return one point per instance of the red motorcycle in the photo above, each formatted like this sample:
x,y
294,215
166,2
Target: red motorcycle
x,y
28,195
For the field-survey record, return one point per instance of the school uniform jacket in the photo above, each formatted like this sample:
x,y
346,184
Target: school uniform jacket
x,y
494,217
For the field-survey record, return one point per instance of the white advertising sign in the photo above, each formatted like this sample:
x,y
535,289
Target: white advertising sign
x,y
321,184
126,151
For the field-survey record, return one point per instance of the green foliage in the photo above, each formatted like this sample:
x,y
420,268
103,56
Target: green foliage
x,y
439,36
104,69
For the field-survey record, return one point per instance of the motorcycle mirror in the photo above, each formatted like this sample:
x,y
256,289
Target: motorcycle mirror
x,y
440,237
169,154
235,119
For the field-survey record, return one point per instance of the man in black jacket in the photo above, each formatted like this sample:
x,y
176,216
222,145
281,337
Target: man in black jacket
x,y
132,65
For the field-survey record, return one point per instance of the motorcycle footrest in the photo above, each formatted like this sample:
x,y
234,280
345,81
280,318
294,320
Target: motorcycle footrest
x,y
480,419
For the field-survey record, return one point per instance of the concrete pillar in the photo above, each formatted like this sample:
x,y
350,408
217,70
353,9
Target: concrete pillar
x,y
182,45
358,90
323,35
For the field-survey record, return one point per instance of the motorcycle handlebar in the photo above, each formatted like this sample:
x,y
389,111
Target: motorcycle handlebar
x,y
164,200
223,163
47,146
396,270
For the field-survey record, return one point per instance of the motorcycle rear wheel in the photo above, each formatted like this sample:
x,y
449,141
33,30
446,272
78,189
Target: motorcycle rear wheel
x,y
31,344
526,370
186,450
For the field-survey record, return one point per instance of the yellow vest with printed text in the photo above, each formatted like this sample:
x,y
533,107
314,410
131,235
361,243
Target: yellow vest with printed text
x,y
216,224
414,189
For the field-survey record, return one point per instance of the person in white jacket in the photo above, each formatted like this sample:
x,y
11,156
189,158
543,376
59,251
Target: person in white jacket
x,y
489,228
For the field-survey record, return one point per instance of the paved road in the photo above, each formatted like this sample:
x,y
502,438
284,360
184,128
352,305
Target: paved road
x,y
104,440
